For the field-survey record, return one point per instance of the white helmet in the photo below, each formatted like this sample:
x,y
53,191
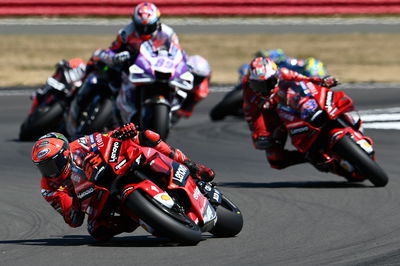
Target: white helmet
x,y
199,67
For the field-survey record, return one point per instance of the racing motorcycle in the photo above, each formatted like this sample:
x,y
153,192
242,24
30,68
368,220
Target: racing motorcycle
x,y
325,126
232,103
155,87
50,102
92,109
154,191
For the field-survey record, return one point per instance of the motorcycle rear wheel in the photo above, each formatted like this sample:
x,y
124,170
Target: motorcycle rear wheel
x,y
231,104
353,153
230,219
163,220
43,120
160,120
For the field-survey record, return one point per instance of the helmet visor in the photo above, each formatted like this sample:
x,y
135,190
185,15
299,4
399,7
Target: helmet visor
x,y
263,86
146,29
53,167
197,80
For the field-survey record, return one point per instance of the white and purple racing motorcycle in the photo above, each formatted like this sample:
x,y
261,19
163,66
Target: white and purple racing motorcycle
x,y
154,87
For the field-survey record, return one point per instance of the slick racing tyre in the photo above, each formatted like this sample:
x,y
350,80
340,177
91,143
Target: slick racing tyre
x,y
167,222
43,120
230,219
231,104
96,117
368,168
160,120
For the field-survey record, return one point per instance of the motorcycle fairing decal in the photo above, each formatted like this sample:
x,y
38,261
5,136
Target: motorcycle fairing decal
x,y
180,174
115,150
164,199
209,214
329,101
308,108
305,89
299,130
93,143
86,193
366,146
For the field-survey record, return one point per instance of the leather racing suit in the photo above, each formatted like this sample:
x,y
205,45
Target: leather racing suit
x,y
62,197
268,131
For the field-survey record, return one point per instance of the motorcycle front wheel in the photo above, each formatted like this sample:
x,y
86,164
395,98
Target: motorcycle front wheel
x,y
96,117
230,219
43,120
353,153
231,104
164,221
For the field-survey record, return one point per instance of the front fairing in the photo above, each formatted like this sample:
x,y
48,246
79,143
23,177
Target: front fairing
x,y
164,64
179,179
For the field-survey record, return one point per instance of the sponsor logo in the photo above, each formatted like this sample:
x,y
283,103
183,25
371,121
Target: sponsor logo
x,y
196,193
119,165
42,153
298,130
328,101
116,146
43,144
83,142
86,193
180,173
99,140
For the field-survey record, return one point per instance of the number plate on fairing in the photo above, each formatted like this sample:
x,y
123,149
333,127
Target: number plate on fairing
x,y
365,146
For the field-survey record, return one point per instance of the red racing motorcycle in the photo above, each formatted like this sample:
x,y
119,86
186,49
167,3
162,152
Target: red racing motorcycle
x,y
324,124
154,191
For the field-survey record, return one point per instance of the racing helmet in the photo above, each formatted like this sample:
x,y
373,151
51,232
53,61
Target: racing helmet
x,y
314,68
146,18
277,55
51,155
263,76
199,67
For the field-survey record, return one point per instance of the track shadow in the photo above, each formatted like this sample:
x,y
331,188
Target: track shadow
x,y
306,184
70,240
86,240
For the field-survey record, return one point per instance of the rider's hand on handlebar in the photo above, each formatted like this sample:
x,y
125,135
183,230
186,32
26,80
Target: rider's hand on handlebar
x,y
121,57
329,81
200,171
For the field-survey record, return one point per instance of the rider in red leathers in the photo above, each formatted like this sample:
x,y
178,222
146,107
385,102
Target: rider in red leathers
x,y
268,132
57,160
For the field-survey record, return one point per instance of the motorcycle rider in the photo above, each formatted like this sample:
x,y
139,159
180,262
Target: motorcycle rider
x,y
268,132
201,70
145,26
310,67
57,160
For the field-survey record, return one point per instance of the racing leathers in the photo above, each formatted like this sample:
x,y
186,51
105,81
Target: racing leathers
x,y
197,94
61,195
268,131
128,41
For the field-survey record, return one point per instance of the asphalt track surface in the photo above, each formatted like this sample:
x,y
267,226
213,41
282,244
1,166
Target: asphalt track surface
x,y
296,216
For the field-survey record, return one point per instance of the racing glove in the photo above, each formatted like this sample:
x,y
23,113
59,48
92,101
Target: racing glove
x,y
125,132
329,81
200,171
121,57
